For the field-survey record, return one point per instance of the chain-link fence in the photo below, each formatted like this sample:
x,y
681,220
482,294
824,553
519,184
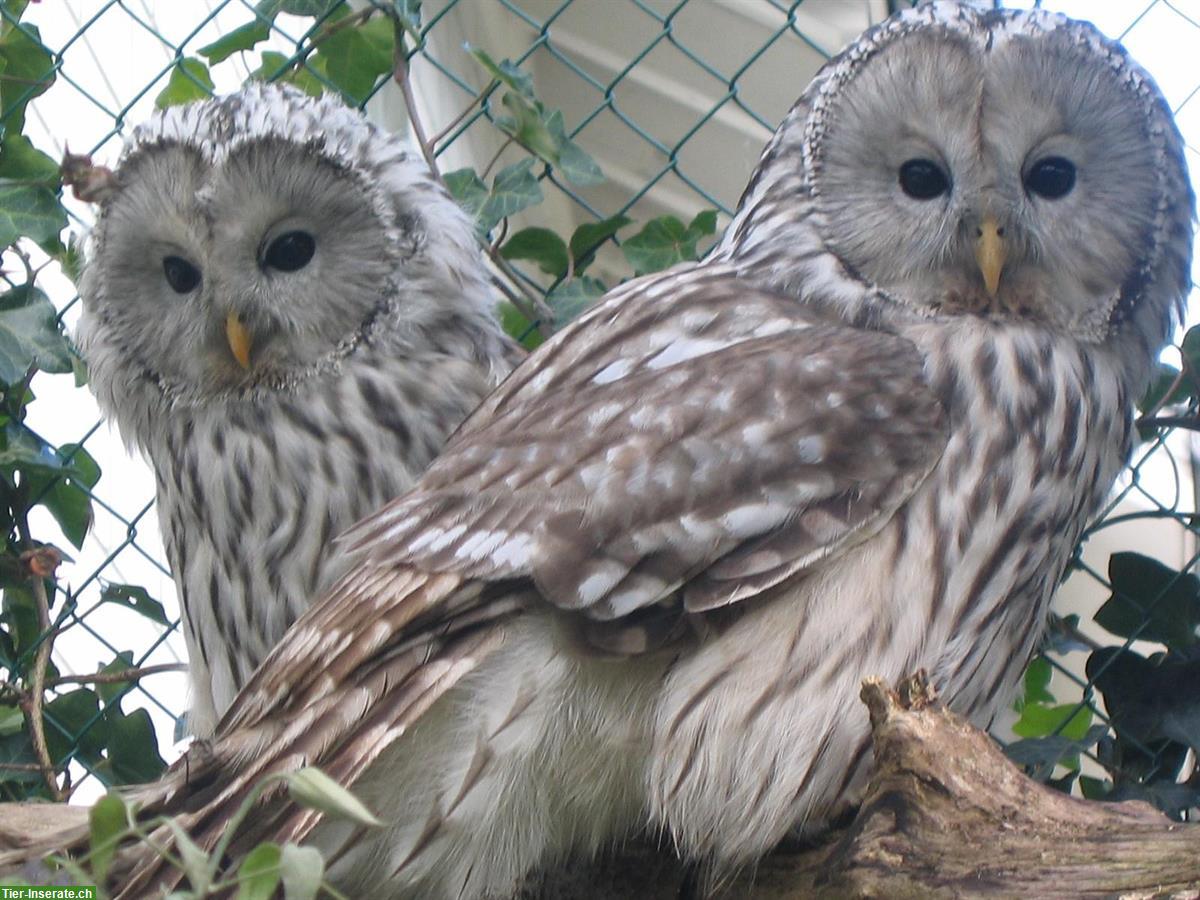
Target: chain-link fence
x,y
671,100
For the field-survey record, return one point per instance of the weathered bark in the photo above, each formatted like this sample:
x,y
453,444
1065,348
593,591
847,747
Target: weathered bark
x,y
946,815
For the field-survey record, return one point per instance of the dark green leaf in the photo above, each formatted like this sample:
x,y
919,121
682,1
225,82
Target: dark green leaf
x,y
108,821
25,451
316,8
513,189
570,299
26,70
516,324
1094,788
660,244
704,223
277,67
73,720
589,236
541,245
302,869
1164,379
21,161
28,210
353,59
505,72
68,503
258,875
30,335
189,81
110,691
1190,350
1146,591
12,720
133,756
135,598
17,750
247,37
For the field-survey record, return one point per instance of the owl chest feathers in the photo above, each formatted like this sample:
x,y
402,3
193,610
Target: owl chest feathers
x,y
253,493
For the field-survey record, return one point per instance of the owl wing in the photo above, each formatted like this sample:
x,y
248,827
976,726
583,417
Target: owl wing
x,y
689,443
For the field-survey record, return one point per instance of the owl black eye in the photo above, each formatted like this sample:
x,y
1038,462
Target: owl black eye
x,y
290,252
923,179
1052,177
181,275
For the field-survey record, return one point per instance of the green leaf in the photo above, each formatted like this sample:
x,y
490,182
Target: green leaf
x,y
133,756
30,335
28,210
1146,591
467,190
568,300
26,70
108,821
247,37
1189,348
316,8
12,720
195,861
1067,720
504,71
20,160
529,127
17,750
518,326
353,59
513,189
302,869
313,788
73,720
135,598
589,236
258,875
277,67
110,691
665,242
190,80
542,246
1037,682
408,14
578,167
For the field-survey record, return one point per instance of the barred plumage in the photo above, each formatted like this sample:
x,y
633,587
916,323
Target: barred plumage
x,y
645,579
360,361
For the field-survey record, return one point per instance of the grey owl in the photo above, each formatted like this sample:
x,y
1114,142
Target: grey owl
x,y
642,584
288,315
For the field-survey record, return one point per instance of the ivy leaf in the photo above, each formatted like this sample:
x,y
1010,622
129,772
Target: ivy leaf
x,y
513,189
588,237
1036,684
468,190
32,211
133,756
26,70
353,59
247,37
665,241
190,80
302,870
504,71
108,820
135,598
408,14
516,324
578,167
317,8
258,875
568,300
278,67
30,334
542,246
16,750
112,692
73,721
21,161
12,720
1146,591
528,126
1067,720
1042,754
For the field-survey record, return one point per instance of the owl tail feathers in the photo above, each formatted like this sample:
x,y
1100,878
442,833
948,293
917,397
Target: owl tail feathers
x,y
346,681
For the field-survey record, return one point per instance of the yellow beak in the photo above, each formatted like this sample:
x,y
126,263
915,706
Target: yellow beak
x,y
990,253
239,339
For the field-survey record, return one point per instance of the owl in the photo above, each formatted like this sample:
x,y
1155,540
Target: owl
x,y
287,314
642,584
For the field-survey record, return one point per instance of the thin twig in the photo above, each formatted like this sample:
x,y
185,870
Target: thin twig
x,y
496,157
400,73
457,120
116,677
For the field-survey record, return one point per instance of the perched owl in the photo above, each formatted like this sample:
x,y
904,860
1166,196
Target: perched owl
x,y
288,315
642,584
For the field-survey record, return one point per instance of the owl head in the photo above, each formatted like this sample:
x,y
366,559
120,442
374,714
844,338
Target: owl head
x,y
999,163
258,240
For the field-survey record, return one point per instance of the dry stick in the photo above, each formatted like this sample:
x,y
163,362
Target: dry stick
x,y
117,677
